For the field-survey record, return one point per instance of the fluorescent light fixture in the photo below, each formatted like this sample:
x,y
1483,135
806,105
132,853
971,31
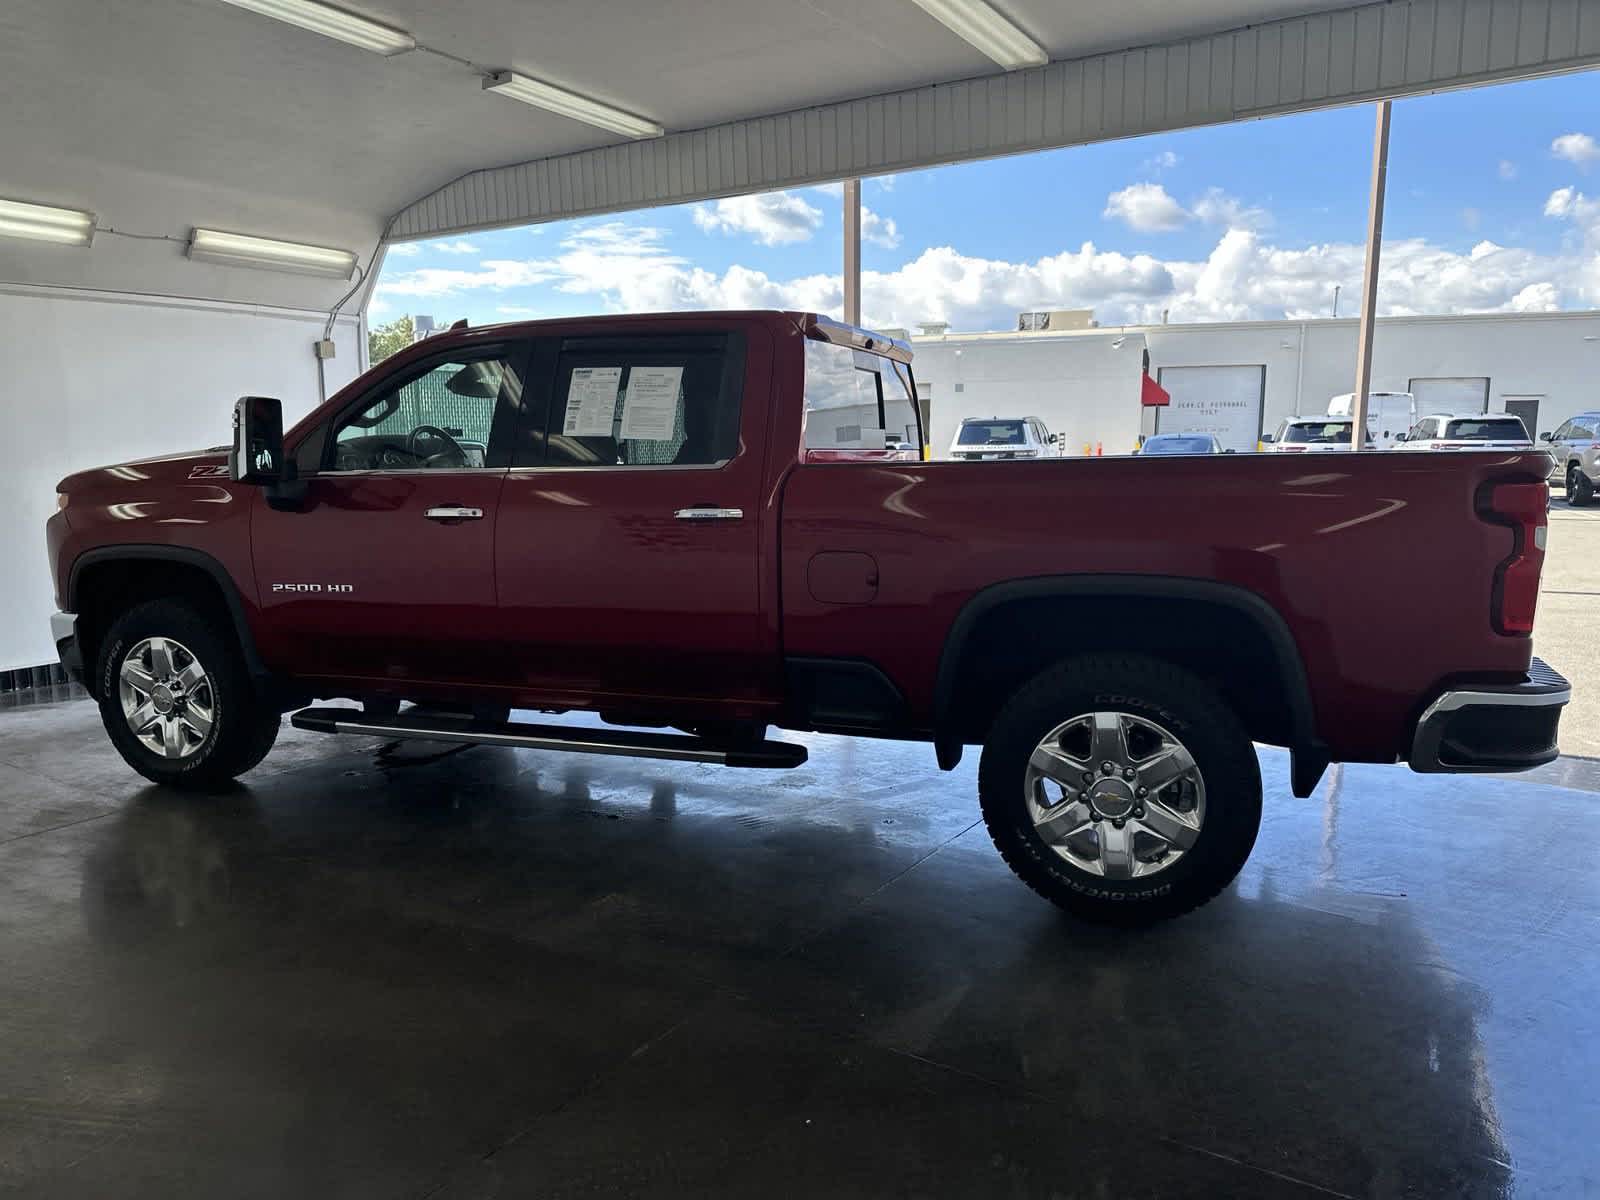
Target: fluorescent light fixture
x,y
988,31
241,250
333,22
569,104
42,223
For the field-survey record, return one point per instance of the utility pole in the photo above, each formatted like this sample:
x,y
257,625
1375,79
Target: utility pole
x,y
852,251
1369,281
1336,288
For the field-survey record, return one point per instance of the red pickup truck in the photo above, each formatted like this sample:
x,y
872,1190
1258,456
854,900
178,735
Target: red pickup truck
x,y
720,522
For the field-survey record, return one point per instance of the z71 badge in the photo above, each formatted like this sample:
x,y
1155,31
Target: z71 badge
x,y
219,471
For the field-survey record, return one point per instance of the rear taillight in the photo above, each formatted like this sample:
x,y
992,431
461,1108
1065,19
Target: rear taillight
x,y
1523,507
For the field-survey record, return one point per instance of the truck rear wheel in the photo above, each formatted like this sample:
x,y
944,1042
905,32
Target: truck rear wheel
x,y
176,699
1579,490
1121,788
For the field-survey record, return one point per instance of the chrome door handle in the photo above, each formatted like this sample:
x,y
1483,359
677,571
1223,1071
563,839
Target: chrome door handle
x,y
709,514
454,512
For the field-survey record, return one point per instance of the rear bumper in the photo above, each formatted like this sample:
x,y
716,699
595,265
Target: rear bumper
x,y
1493,727
64,632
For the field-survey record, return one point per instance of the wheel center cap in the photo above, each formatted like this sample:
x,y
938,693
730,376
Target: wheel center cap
x,y
161,696
1112,798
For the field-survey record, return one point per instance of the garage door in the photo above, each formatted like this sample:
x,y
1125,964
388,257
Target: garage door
x,y
1223,401
1458,394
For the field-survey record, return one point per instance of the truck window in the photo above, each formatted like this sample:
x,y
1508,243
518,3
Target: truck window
x,y
655,402
856,400
438,419
1487,429
991,433
1316,433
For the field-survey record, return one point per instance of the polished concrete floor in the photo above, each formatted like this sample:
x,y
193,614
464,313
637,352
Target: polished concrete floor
x,y
495,973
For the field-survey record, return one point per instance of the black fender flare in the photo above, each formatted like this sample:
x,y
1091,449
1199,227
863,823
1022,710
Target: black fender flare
x,y
1309,755
187,557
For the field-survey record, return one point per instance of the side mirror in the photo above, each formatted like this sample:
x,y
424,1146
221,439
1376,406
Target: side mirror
x,y
1228,450
1544,437
257,454
1054,438
1400,437
1267,439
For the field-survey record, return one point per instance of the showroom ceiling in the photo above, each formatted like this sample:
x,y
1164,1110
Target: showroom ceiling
x,y
201,90
166,114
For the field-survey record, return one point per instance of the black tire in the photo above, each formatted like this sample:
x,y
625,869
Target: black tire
x,y
1580,491
1155,691
243,728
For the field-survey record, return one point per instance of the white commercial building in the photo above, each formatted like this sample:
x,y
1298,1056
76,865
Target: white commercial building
x,y
1236,380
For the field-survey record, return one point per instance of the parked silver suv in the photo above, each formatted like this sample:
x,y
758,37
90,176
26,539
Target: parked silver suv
x,y
1577,456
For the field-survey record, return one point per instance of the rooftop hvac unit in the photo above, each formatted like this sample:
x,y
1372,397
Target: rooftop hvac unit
x,y
1054,320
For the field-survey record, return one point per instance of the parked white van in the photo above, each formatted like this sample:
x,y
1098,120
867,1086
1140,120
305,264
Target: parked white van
x,y
1389,415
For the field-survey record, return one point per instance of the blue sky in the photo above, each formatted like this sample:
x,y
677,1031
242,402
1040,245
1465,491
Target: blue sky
x,y
1494,204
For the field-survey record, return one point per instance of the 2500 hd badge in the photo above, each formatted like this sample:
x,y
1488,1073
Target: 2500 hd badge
x,y
313,587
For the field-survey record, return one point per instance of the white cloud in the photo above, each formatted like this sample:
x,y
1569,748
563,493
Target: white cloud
x,y
1571,204
772,218
456,247
1508,169
1146,208
1150,208
516,310
404,250
1216,207
1164,161
618,267
879,230
495,275
1578,148
886,182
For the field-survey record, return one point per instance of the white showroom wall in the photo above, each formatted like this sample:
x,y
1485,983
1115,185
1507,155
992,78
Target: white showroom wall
x,y
1084,389
93,378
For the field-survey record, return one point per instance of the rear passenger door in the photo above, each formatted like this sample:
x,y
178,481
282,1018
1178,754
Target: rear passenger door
x,y
627,549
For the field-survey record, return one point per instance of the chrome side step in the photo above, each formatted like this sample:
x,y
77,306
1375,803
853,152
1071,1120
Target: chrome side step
x,y
433,727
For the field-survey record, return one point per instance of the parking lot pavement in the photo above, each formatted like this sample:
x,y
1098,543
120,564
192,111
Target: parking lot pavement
x,y
1569,609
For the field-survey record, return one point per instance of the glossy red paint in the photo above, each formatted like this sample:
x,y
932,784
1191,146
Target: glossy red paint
x,y
1348,551
580,588
609,599
184,500
357,581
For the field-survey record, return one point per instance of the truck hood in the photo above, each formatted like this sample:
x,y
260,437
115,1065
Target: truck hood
x,y
209,464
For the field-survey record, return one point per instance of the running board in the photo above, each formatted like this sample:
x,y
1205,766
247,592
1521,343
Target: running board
x,y
434,727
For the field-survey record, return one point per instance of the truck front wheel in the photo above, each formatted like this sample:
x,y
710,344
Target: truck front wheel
x,y
1121,788
176,699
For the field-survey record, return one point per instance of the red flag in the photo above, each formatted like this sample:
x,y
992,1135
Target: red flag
x,y
1152,394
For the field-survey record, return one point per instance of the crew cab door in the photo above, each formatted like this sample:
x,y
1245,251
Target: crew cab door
x,y
384,568
628,545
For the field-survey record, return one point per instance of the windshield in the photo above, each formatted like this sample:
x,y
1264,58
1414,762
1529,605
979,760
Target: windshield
x,y
991,433
1177,445
1315,433
1487,429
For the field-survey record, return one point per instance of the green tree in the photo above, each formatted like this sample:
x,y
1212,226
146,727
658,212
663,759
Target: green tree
x,y
384,340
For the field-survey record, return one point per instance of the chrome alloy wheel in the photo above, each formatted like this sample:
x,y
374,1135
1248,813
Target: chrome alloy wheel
x,y
1115,795
166,697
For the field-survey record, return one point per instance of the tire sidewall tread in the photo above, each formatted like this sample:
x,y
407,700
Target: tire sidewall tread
x,y
1173,698
242,730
